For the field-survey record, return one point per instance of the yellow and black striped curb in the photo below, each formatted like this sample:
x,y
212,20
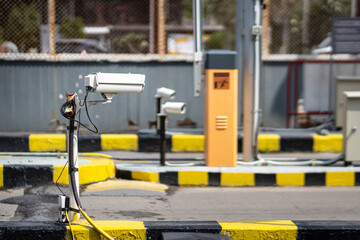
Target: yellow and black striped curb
x,y
242,179
20,175
175,143
153,230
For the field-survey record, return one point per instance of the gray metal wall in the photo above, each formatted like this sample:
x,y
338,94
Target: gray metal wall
x,y
30,94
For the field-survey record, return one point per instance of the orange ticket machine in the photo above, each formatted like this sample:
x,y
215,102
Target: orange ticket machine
x,y
221,108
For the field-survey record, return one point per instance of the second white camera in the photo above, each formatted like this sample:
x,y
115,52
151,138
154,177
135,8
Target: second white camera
x,y
165,92
174,107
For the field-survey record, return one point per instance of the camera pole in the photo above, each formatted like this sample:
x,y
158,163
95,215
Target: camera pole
x,y
73,170
158,109
161,129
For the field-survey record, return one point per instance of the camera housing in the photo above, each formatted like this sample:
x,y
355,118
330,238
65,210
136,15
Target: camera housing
x,y
109,84
174,107
165,92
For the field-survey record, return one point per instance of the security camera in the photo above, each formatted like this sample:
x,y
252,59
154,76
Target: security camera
x,y
109,84
165,92
174,107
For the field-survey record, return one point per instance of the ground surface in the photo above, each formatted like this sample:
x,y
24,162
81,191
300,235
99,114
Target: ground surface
x,y
139,201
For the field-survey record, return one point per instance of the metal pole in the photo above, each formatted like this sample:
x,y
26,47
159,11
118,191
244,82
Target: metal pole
x,y
162,120
245,61
73,168
305,26
158,109
153,30
51,20
198,57
266,35
162,33
353,8
257,32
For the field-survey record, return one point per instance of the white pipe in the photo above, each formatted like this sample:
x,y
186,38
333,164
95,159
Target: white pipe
x,y
74,216
257,75
197,47
281,162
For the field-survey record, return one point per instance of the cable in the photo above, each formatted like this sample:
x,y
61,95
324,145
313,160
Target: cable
x,y
57,180
87,113
67,218
73,184
97,228
182,164
292,162
68,116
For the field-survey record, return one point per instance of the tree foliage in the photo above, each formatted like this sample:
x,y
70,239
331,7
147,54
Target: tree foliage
x,y
23,26
287,26
72,27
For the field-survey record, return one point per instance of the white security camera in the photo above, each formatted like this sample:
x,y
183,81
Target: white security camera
x,y
165,92
174,107
109,84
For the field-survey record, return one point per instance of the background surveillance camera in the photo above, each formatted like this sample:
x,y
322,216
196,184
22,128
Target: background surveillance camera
x,y
113,83
165,92
174,107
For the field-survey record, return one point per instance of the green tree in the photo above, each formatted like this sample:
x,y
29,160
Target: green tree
x,y
287,24
72,27
131,43
1,35
23,26
223,13
217,12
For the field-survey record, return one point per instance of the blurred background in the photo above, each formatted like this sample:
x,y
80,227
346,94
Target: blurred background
x,y
158,26
47,47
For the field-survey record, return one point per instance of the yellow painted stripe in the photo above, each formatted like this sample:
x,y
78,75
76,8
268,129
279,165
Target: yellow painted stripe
x,y
100,155
117,229
145,176
1,176
340,179
125,184
47,142
187,143
269,142
193,178
126,142
253,230
237,179
95,171
328,143
290,179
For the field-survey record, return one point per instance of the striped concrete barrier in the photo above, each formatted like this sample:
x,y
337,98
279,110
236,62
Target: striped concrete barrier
x,y
241,179
20,175
175,143
153,230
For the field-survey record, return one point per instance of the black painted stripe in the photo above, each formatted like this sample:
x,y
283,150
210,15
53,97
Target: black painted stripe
x,y
89,143
240,143
123,174
169,178
290,143
154,229
32,230
20,175
315,179
18,143
265,179
151,143
314,230
214,179
357,179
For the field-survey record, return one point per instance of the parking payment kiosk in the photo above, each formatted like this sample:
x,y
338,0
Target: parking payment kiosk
x,y
221,108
